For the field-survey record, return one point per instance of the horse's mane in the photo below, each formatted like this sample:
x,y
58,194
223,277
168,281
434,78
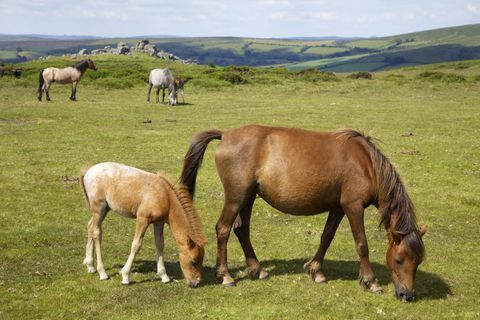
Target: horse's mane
x,y
82,65
194,223
397,212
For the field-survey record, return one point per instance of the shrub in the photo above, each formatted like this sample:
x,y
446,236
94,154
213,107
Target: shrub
x,y
361,75
316,75
441,76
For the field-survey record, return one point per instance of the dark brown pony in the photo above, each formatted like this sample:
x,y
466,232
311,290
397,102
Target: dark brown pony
x,y
305,173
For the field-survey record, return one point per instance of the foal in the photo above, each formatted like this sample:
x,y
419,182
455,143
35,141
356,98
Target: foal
x,y
179,83
66,75
150,198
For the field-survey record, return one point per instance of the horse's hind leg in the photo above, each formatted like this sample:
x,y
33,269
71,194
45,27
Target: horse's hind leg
x,y
355,214
163,94
158,93
141,227
99,210
149,91
255,271
314,266
47,91
159,243
88,261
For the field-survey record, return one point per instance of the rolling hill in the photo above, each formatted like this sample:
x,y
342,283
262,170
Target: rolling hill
x,y
328,53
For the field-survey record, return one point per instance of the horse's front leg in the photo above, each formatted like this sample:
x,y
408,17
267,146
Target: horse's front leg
x,y
158,93
163,94
355,215
314,266
141,227
159,243
73,96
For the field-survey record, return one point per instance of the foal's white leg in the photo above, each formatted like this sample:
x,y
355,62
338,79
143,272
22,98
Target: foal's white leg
x,y
159,243
140,229
89,250
97,237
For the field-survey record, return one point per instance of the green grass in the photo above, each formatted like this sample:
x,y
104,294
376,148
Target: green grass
x,y
429,129
370,44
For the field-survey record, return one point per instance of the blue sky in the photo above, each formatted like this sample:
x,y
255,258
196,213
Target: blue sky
x,y
250,18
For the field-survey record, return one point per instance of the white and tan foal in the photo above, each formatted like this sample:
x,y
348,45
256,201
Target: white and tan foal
x,y
151,199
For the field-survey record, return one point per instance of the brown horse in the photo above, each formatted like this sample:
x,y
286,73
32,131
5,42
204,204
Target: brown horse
x,y
150,198
305,173
66,75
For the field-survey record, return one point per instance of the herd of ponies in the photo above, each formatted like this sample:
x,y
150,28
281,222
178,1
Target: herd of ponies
x,y
158,79
296,171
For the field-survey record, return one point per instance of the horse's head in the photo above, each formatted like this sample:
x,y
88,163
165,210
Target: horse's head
x,y
191,261
405,252
91,64
172,98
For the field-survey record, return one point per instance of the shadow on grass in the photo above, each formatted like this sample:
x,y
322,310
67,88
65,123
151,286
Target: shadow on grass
x,y
429,286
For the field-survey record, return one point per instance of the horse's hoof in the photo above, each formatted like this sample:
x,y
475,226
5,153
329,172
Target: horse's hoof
x,y
104,278
125,283
228,284
165,279
263,275
91,270
320,278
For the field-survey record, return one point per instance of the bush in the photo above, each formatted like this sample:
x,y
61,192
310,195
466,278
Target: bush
x,y
316,75
361,75
441,76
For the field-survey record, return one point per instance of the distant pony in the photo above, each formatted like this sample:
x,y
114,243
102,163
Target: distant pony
x,y
66,75
179,83
161,79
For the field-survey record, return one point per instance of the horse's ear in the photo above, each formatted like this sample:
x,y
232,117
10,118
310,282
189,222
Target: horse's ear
x,y
395,237
423,229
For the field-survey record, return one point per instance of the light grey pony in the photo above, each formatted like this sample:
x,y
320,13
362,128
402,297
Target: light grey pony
x,y
161,79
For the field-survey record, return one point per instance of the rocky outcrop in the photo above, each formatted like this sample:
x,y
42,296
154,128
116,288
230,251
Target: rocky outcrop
x,y
143,46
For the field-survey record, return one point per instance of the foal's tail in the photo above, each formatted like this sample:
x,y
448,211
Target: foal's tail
x,y
41,81
82,184
194,157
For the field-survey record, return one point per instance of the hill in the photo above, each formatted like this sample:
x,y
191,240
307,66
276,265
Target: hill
x,y
327,53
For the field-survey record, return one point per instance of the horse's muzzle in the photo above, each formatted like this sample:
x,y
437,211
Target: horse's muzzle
x,y
405,296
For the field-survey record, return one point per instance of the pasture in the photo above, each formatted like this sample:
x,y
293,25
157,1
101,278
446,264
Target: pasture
x,y
428,123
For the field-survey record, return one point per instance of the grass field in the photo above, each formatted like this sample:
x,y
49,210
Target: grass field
x,y
428,122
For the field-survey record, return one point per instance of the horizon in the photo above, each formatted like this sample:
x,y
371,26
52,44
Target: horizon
x,y
247,19
138,36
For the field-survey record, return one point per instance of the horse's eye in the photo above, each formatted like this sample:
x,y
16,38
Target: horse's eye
x,y
398,261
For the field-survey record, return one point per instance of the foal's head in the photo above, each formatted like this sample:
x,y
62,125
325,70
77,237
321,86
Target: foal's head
x,y
191,261
91,64
405,252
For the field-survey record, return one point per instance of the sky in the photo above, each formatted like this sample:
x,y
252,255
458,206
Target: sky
x,y
249,18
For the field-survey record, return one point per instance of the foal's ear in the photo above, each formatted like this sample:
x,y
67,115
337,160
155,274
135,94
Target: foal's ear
x,y
395,237
423,230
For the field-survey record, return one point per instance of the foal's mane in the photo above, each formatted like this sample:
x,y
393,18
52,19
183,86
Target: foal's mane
x,y
185,199
397,212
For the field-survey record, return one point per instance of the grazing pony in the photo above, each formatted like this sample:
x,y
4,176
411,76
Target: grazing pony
x,y
179,83
304,172
161,79
66,75
150,198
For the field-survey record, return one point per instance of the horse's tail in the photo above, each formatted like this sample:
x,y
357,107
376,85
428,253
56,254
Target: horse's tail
x,y
82,184
194,157
41,81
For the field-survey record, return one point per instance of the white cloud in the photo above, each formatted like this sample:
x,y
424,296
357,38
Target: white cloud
x,y
472,8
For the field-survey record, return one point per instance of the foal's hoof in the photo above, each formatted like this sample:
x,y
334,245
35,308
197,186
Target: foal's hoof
x,y
165,279
263,275
320,278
